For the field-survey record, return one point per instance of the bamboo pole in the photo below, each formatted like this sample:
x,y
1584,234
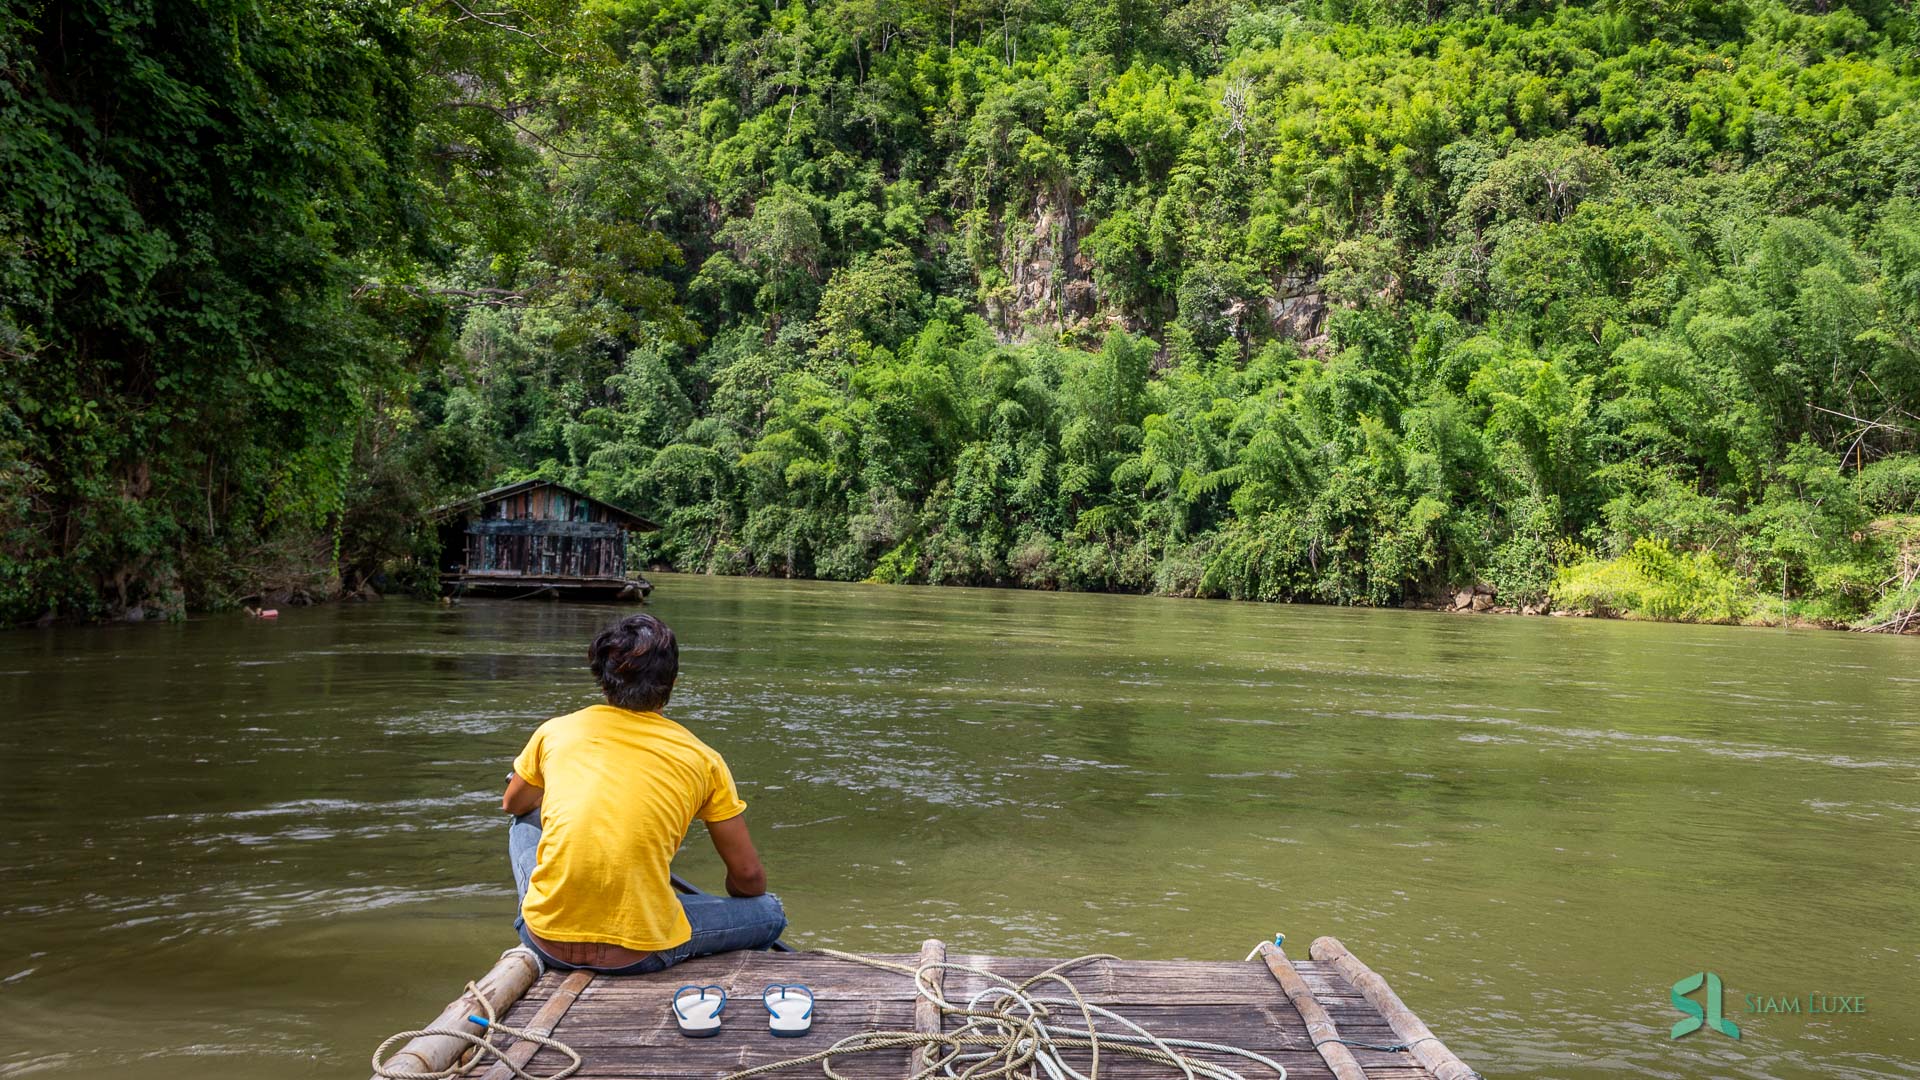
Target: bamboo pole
x,y
1326,1037
1421,1042
502,986
926,1014
543,1023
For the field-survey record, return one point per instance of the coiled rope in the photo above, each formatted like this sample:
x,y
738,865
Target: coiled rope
x,y
483,1047
1008,1027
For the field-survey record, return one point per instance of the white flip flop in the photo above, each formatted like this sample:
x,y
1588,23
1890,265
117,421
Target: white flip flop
x,y
699,1018
790,1015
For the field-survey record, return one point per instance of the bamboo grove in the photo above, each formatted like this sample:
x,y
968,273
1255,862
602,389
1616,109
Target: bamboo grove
x,y
1612,306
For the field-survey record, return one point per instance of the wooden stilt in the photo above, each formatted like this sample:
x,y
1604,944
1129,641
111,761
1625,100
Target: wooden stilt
x,y
543,1023
1421,1042
926,1015
502,986
1326,1037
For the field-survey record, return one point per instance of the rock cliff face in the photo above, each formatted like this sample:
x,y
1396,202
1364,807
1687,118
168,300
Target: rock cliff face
x,y
1049,281
1297,310
1048,286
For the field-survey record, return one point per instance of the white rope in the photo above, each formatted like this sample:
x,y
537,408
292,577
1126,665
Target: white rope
x,y
1006,1031
483,1047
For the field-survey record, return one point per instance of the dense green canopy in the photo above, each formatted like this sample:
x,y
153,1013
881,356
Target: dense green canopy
x,y
1347,302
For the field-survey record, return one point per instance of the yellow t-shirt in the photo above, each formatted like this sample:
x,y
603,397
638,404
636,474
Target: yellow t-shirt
x,y
620,790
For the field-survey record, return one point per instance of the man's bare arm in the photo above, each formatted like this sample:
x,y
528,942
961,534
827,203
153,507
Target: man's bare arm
x,y
521,797
745,875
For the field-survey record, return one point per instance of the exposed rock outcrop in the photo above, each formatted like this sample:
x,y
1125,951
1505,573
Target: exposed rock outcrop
x,y
1297,310
1049,279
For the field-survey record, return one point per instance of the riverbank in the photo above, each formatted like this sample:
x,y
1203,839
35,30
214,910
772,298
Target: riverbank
x,y
1791,622
1483,599
1479,599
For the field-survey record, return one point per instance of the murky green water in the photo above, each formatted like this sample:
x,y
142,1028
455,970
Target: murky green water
x,y
235,849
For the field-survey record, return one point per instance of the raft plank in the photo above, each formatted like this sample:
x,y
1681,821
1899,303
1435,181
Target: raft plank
x,y
1321,1027
658,1063
1425,1046
549,1015
622,1027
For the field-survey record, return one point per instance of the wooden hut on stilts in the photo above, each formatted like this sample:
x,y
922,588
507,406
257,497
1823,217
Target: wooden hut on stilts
x,y
539,538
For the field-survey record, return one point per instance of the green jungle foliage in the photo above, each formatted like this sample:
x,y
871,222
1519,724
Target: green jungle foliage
x,y
193,200
1614,306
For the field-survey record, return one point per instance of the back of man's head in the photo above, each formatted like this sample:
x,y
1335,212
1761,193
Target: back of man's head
x,y
636,661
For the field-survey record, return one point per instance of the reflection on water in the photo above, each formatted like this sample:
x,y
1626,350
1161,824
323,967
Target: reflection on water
x,y
237,849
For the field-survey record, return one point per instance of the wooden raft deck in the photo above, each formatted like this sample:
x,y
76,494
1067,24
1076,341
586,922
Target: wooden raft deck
x,y
622,1028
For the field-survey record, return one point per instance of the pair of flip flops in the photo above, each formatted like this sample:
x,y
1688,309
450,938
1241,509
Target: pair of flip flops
x,y
789,1010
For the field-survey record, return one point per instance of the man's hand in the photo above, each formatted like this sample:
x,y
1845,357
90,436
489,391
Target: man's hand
x,y
745,875
521,797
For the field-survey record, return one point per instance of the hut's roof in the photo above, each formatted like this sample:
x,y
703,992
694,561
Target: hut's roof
x,y
473,502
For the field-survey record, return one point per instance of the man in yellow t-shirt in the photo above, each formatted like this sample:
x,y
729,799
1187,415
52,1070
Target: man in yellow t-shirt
x,y
602,798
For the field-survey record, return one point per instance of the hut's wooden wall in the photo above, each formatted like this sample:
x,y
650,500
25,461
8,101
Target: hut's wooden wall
x,y
547,553
546,532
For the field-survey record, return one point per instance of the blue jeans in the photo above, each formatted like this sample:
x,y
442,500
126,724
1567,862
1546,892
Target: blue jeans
x,y
720,923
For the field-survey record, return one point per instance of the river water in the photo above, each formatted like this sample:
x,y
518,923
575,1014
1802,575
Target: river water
x,y
240,849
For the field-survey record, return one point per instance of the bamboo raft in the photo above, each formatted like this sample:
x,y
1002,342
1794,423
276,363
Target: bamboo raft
x,y
1330,1017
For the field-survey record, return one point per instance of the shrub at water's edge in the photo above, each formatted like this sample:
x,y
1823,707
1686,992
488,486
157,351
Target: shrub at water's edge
x,y
1897,610
1653,581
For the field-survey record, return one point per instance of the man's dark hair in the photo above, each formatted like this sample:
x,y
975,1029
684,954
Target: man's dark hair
x,y
636,661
